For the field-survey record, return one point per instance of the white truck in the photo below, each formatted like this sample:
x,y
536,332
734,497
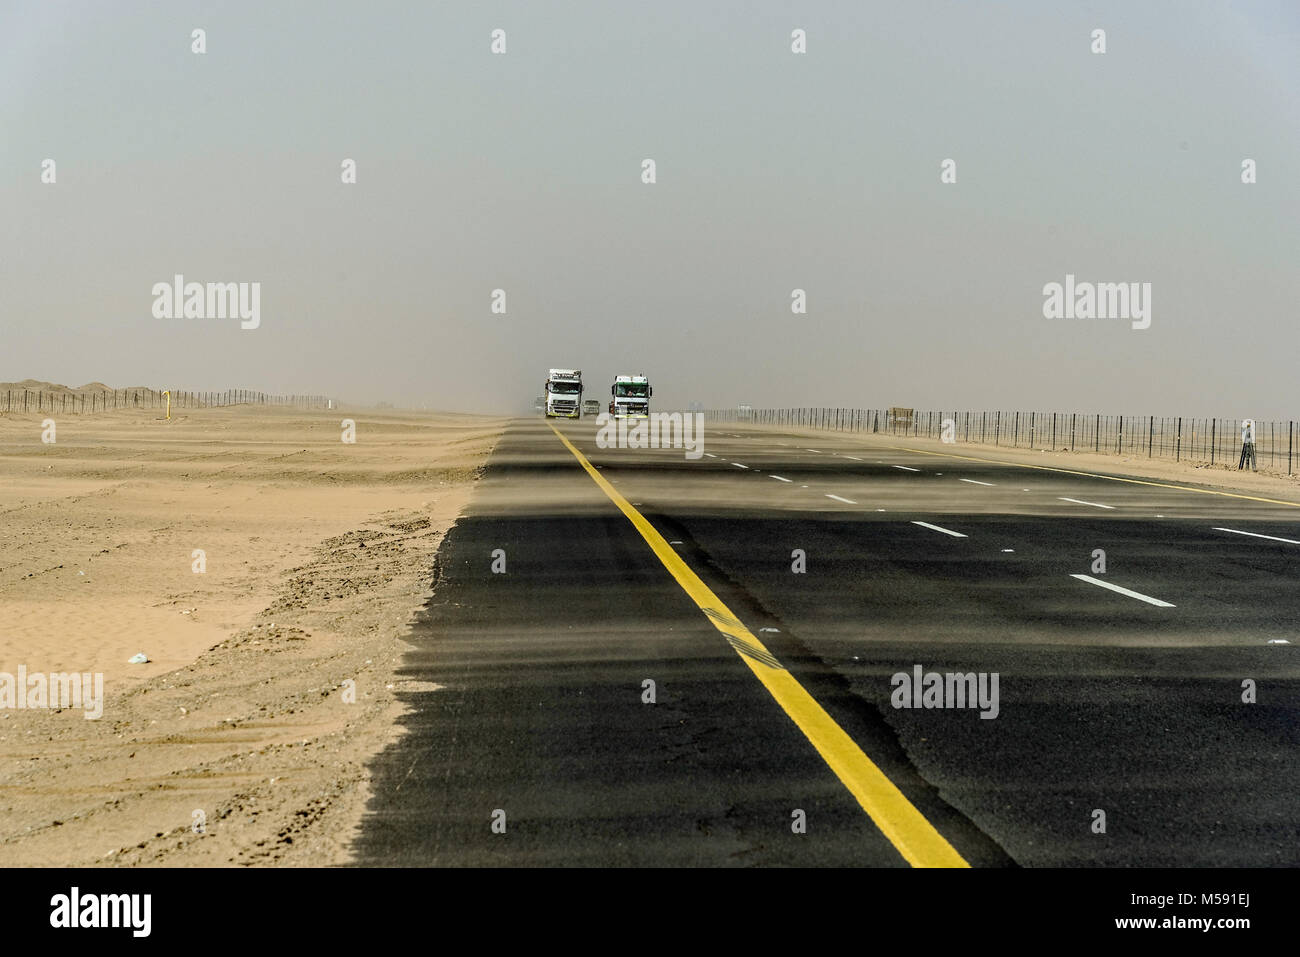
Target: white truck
x,y
564,394
631,396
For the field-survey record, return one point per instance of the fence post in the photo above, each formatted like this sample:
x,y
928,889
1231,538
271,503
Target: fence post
x,y
1178,440
997,428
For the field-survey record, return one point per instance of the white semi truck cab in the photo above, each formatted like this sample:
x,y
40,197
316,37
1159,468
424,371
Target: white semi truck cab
x,y
564,394
631,396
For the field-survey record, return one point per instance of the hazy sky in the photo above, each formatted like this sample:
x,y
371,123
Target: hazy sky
x,y
775,171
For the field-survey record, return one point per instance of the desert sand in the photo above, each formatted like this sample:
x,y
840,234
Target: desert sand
x,y
1269,482
316,555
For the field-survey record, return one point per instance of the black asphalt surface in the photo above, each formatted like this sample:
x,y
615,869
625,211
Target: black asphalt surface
x,y
1106,702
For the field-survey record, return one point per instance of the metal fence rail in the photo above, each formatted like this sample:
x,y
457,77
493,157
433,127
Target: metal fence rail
x,y
1178,438
85,403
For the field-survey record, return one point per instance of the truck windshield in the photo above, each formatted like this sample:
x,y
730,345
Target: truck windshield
x,y
566,388
630,390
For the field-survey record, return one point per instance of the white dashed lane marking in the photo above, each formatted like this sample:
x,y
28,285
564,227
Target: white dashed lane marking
x,y
974,482
1271,538
1078,501
779,479
846,501
1124,591
946,531
906,468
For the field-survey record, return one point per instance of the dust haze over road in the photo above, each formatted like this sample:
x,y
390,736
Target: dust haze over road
x,y
821,171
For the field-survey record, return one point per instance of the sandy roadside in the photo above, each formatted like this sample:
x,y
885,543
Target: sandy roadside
x,y
1271,482
316,555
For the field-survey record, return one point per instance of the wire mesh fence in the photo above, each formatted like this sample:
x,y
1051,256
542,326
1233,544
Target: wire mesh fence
x,y
1177,438
85,402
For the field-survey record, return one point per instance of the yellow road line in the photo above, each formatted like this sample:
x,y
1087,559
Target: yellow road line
x,y
905,827
1100,475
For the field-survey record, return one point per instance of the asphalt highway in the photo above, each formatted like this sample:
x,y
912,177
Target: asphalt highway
x,y
770,590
